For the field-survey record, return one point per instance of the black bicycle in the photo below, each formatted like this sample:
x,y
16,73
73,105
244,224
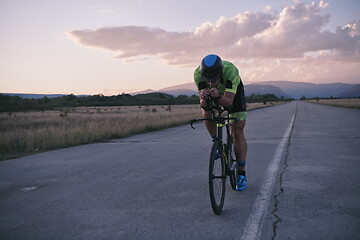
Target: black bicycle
x,y
222,163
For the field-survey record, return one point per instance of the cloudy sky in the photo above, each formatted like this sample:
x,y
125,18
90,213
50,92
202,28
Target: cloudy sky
x,y
110,47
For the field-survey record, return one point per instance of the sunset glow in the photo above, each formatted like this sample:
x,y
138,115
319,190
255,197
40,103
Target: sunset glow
x,y
127,46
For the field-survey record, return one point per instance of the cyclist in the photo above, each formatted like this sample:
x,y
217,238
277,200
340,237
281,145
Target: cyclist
x,y
221,81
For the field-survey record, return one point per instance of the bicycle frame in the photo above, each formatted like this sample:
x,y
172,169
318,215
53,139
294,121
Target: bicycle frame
x,y
221,121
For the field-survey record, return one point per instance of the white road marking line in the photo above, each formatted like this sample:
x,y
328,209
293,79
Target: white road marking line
x,y
254,223
27,189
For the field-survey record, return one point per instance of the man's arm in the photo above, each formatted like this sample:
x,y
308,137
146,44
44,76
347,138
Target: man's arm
x,y
203,96
225,100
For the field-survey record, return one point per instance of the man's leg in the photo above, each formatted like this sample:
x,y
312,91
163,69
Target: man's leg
x,y
240,149
210,125
240,143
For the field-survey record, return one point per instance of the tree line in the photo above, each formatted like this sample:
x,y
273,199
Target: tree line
x,y
16,103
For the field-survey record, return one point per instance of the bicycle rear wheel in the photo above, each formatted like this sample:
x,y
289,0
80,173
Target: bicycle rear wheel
x,y
233,180
233,170
217,178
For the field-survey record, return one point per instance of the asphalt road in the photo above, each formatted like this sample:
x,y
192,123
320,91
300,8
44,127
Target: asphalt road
x,y
303,183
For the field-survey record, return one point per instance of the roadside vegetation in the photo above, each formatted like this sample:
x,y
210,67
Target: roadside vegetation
x,y
16,103
348,103
27,132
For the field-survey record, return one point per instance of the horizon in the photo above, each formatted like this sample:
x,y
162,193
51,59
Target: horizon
x,y
158,90
117,47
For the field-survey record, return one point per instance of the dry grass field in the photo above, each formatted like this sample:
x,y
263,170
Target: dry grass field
x,y
23,133
348,103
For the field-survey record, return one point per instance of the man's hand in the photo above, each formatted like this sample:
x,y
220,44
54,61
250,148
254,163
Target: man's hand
x,y
214,93
205,93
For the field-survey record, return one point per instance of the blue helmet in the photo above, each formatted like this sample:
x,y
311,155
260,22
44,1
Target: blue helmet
x,y
211,68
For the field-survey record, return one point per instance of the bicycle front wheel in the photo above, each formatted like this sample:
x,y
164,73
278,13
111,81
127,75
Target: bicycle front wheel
x,y
217,178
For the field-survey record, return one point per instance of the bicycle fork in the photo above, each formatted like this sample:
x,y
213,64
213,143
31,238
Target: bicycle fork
x,y
225,152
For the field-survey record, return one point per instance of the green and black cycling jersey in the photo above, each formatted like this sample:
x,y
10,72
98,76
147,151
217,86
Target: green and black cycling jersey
x,y
230,82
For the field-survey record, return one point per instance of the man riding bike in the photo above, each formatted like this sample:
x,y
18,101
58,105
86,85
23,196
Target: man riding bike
x,y
221,81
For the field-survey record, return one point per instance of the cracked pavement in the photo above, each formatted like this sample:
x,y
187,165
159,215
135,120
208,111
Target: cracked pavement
x,y
318,190
278,196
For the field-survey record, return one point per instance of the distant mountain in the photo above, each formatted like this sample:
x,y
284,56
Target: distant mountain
x,y
278,88
177,92
190,89
264,89
287,89
309,90
187,89
352,92
188,86
143,92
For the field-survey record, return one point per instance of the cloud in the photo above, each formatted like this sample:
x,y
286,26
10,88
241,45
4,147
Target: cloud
x,y
267,8
174,47
323,4
298,30
291,34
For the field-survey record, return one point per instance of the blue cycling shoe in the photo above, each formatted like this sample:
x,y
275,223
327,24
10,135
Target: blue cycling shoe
x,y
241,183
